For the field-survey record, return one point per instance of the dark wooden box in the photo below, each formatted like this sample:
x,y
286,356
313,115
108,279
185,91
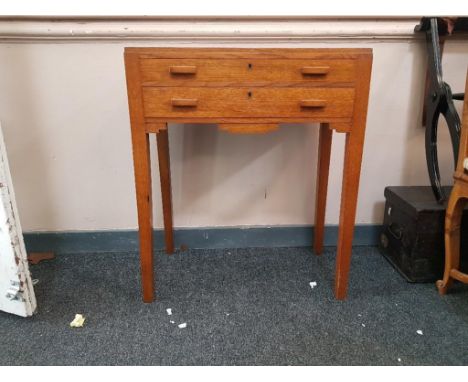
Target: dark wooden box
x,y
412,237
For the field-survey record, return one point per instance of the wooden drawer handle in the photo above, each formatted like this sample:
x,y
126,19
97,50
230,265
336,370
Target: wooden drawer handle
x,y
183,69
184,102
315,70
313,103
248,128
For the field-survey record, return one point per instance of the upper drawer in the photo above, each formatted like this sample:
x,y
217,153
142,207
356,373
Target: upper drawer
x,y
216,72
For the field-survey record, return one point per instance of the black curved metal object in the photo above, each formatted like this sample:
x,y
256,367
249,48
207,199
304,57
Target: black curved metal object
x,y
438,101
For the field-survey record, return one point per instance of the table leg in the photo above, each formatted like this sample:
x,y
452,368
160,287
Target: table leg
x,y
165,177
323,166
453,217
142,167
349,194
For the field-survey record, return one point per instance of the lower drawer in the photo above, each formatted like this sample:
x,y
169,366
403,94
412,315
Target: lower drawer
x,y
244,102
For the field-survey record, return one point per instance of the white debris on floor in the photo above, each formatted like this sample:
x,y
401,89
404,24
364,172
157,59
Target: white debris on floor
x,y
78,321
169,313
313,284
399,359
420,332
363,325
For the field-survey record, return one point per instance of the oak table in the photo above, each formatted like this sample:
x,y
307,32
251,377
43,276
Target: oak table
x,y
248,91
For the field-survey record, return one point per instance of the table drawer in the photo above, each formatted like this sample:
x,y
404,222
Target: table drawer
x,y
255,102
196,72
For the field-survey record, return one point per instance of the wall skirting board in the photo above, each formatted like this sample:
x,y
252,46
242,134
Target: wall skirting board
x,y
201,238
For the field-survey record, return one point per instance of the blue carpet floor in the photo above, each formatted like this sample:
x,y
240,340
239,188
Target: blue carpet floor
x,y
241,306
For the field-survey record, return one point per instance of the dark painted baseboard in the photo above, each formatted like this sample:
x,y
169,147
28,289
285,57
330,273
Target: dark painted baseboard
x,y
225,237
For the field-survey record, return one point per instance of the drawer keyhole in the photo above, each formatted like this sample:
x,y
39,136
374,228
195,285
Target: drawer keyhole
x,y
249,94
249,66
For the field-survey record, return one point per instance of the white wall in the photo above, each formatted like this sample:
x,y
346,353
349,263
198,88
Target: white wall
x,y
63,108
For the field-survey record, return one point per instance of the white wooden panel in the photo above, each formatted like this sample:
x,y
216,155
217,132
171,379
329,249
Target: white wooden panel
x,y
16,289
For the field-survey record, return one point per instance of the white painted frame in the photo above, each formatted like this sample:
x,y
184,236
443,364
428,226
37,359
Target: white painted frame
x,y
16,287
